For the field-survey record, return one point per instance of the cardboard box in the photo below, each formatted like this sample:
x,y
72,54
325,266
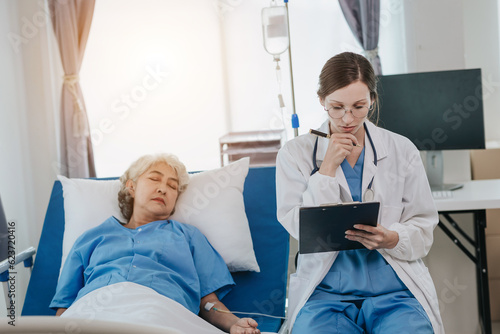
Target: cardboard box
x,y
493,222
485,164
493,257
494,300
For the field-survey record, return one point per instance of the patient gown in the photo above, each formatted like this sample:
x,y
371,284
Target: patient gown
x,y
173,259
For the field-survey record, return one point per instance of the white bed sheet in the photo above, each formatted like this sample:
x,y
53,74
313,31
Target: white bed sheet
x,y
128,302
51,325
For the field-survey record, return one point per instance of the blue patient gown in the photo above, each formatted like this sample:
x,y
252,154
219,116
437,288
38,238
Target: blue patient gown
x,y
174,259
361,293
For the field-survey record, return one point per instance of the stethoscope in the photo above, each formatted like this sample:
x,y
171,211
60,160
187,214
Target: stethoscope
x,y
369,194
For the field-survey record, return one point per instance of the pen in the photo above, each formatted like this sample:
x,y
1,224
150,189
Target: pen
x,y
319,133
324,135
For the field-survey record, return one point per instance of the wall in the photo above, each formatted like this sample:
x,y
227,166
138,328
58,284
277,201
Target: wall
x,y
481,36
27,141
170,97
12,136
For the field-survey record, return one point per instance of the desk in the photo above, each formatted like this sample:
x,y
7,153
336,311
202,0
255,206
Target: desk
x,y
475,197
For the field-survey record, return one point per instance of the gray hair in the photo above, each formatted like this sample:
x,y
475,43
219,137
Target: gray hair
x,y
139,167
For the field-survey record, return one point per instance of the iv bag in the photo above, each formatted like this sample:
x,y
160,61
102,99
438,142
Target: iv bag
x,y
275,29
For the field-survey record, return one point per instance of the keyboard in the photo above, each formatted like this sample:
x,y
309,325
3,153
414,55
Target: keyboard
x,y
442,194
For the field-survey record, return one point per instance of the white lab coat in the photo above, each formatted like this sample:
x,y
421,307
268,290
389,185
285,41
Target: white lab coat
x,y
407,207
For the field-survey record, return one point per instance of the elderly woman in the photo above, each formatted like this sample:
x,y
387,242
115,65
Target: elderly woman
x,y
149,252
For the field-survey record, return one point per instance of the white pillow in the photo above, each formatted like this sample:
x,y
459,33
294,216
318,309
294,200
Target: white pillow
x,y
213,202
87,203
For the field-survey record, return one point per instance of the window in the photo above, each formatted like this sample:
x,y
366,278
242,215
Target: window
x,y
152,81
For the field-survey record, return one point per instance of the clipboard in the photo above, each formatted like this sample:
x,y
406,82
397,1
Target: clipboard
x,y
322,228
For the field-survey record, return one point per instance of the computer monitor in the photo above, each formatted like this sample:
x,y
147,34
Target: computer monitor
x,y
437,111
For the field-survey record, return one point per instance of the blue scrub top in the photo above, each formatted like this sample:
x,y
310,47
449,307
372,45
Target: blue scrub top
x,y
174,259
354,176
357,273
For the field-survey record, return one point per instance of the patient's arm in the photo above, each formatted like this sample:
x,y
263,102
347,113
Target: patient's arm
x,y
60,311
226,321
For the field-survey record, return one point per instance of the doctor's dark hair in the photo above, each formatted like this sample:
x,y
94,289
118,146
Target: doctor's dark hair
x,y
344,69
139,167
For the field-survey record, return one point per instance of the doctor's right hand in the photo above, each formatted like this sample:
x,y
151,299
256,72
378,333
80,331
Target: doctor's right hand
x,y
339,147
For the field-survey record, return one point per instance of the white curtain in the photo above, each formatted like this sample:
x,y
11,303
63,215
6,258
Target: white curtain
x,y
71,21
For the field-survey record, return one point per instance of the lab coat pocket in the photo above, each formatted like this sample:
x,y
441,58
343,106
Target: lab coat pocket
x,y
390,215
421,273
296,291
418,267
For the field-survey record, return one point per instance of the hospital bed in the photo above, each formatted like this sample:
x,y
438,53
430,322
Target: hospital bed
x,y
255,292
9,257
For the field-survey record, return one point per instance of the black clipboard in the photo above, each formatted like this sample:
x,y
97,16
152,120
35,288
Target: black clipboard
x,y
322,228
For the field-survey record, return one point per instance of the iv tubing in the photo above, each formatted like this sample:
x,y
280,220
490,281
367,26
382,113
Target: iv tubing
x,y
261,314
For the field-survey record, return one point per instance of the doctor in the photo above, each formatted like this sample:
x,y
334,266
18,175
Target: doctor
x,y
385,288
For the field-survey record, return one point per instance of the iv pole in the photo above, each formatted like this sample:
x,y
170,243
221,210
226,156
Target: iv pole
x,y
276,33
295,117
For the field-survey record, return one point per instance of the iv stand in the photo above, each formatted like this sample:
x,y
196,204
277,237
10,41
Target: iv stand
x,y
294,116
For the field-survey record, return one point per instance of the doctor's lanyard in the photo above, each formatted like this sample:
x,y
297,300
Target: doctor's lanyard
x,y
369,195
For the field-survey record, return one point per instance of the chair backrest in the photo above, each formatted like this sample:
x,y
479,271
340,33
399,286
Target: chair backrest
x,y
262,292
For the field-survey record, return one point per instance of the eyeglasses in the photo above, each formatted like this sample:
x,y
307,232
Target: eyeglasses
x,y
339,112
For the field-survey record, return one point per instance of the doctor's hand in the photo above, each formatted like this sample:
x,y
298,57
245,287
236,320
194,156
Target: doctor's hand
x,y
339,147
373,237
245,326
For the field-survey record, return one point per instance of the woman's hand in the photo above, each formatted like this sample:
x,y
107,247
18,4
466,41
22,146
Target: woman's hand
x,y
219,316
373,237
245,326
60,311
339,147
